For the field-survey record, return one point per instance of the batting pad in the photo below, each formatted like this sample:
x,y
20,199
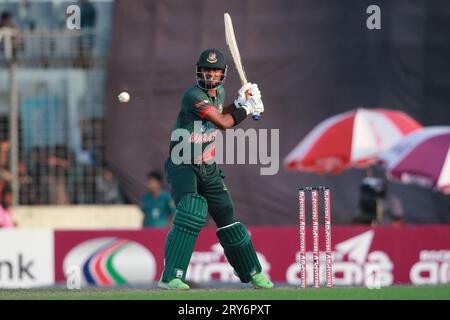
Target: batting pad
x,y
239,250
190,217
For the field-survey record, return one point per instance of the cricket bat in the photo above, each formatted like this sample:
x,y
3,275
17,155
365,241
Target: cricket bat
x,y
234,50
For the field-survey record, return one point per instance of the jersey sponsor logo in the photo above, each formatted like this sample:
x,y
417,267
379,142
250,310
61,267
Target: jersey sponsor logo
x,y
202,137
105,261
212,58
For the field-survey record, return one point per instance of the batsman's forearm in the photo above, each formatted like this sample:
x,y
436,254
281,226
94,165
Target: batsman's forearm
x,y
229,109
226,121
222,121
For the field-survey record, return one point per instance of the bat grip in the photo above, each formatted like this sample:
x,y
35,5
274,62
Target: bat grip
x,y
255,116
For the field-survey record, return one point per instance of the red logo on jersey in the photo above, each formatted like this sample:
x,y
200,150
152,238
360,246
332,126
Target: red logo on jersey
x,y
201,103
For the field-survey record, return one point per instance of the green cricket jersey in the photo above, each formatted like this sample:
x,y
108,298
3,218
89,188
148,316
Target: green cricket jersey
x,y
195,105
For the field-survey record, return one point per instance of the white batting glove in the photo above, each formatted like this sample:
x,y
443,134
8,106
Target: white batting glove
x,y
253,105
239,102
252,88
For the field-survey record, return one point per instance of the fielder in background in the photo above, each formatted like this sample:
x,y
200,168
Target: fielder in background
x,y
157,204
197,184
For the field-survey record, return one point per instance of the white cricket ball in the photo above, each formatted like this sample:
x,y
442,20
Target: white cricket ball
x,y
124,97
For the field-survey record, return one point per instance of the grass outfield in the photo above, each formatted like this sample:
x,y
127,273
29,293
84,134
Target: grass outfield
x,y
389,293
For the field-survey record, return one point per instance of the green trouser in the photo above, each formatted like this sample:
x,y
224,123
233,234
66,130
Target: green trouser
x,y
206,180
195,190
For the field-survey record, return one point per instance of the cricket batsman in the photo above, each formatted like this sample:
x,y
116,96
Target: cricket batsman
x,y
197,185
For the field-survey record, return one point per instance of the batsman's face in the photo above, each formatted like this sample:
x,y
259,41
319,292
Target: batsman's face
x,y
211,76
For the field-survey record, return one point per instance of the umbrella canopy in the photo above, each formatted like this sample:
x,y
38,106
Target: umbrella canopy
x,y
422,158
351,139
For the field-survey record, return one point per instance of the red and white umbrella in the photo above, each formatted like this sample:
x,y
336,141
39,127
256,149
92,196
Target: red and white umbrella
x,y
421,158
351,139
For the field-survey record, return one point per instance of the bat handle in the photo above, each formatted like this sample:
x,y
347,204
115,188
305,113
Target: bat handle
x,y
255,116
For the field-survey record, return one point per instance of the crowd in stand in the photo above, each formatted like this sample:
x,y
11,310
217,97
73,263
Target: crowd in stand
x,y
43,37
49,173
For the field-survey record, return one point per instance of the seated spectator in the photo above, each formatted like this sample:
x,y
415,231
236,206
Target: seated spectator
x,y
6,218
88,14
86,42
5,146
157,204
58,166
7,24
39,172
6,21
108,188
26,191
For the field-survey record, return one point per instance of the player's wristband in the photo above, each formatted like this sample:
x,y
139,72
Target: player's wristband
x,y
239,115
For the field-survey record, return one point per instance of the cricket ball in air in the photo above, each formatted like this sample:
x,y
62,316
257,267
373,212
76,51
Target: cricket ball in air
x,y
124,97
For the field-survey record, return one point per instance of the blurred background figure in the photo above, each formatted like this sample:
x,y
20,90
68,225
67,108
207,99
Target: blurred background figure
x,y
108,187
157,204
5,174
27,195
88,22
59,167
6,21
376,205
6,218
88,14
7,24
